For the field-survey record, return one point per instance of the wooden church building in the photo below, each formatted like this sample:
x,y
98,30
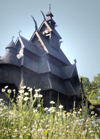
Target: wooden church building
x,y
40,63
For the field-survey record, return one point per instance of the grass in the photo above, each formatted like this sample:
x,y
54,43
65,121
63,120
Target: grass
x,y
27,119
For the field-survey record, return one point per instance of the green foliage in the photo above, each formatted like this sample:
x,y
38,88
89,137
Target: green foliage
x,y
95,101
27,119
91,89
86,84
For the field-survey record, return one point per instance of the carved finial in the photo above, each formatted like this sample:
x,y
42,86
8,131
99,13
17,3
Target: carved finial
x,y
13,37
36,28
19,32
49,7
75,61
43,15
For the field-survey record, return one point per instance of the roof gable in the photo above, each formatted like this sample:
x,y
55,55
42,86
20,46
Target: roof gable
x,y
25,44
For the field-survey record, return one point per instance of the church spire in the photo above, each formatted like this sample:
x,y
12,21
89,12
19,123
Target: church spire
x,y
49,7
49,19
49,14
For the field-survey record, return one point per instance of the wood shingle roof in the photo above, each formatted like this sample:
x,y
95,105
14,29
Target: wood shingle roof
x,y
39,58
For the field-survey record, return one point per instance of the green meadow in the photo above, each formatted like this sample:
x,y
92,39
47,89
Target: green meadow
x,y
28,119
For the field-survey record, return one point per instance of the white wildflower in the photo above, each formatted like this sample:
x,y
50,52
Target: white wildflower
x,y
30,89
24,87
39,105
26,93
95,114
74,112
60,106
20,136
52,102
6,87
39,130
9,91
19,97
34,111
37,90
21,91
36,95
24,127
3,90
45,109
91,131
40,95
80,109
26,98
15,130
51,109
79,112
92,112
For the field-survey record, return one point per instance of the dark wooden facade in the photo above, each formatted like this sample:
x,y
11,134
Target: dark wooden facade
x,y
40,63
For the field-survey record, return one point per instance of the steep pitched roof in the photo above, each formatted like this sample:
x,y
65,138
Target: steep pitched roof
x,y
29,46
58,86
47,83
56,33
57,54
11,45
31,64
47,67
50,29
10,57
70,91
67,71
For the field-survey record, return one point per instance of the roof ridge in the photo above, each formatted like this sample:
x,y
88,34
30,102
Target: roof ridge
x,y
42,43
24,38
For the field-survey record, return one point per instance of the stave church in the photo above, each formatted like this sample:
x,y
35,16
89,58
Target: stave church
x,y
40,63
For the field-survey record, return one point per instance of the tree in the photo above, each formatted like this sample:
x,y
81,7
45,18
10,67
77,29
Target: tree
x,y
96,85
91,89
86,84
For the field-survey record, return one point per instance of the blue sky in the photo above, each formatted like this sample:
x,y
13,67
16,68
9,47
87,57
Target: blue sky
x,y
78,23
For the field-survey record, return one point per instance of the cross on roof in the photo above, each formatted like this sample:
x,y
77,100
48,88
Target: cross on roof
x,y
75,61
13,37
19,32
